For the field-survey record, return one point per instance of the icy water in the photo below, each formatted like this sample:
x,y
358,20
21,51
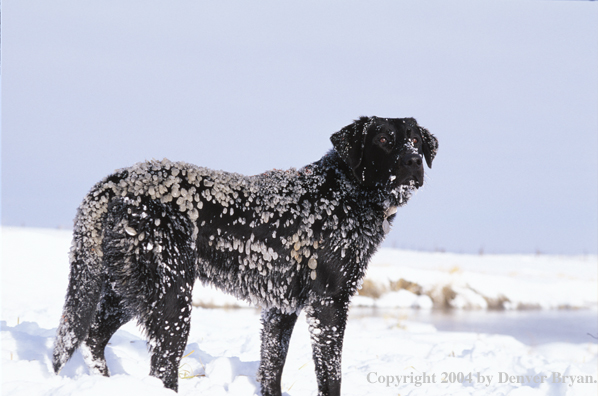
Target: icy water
x,y
532,327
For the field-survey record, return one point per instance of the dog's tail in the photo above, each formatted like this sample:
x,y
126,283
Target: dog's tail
x,y
86,277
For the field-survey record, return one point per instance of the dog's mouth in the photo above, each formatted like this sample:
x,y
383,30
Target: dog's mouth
x,y
415,182
411,181
412,184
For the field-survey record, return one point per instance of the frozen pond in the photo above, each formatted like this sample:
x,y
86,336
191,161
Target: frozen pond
x,y
532,327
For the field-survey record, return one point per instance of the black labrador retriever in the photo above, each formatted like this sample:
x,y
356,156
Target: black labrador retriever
x,y
284,240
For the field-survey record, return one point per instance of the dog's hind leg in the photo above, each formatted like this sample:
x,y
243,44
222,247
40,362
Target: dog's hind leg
x,y
168,330
150,256
110,316
326,319
276,334
156,277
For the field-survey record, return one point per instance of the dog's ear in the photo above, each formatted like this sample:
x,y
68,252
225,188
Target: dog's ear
x,y
429,145
349,143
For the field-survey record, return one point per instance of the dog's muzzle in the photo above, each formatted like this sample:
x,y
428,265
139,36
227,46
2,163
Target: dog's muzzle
x,y
412,169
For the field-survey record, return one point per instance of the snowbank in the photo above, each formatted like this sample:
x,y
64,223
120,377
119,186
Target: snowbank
x,y
481,281
382,355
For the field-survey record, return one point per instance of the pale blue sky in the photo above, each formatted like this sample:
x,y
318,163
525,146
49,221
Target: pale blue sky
x,y
509,88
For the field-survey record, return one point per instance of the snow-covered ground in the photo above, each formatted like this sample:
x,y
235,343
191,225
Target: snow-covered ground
x,y
383,355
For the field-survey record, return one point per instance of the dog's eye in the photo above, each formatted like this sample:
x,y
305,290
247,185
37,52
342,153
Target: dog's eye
x,y
383,139
415,140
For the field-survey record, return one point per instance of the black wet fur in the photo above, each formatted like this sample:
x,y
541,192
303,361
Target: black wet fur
x,y
284,240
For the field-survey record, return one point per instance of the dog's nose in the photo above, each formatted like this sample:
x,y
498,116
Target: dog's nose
x,y
412,161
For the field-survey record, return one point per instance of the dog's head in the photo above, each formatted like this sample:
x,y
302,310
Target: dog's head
x,y
386,151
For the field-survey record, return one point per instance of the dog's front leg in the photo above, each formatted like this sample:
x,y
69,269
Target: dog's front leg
x,y
327,319
276,334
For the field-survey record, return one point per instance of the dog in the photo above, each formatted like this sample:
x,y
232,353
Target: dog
x,y
283,240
